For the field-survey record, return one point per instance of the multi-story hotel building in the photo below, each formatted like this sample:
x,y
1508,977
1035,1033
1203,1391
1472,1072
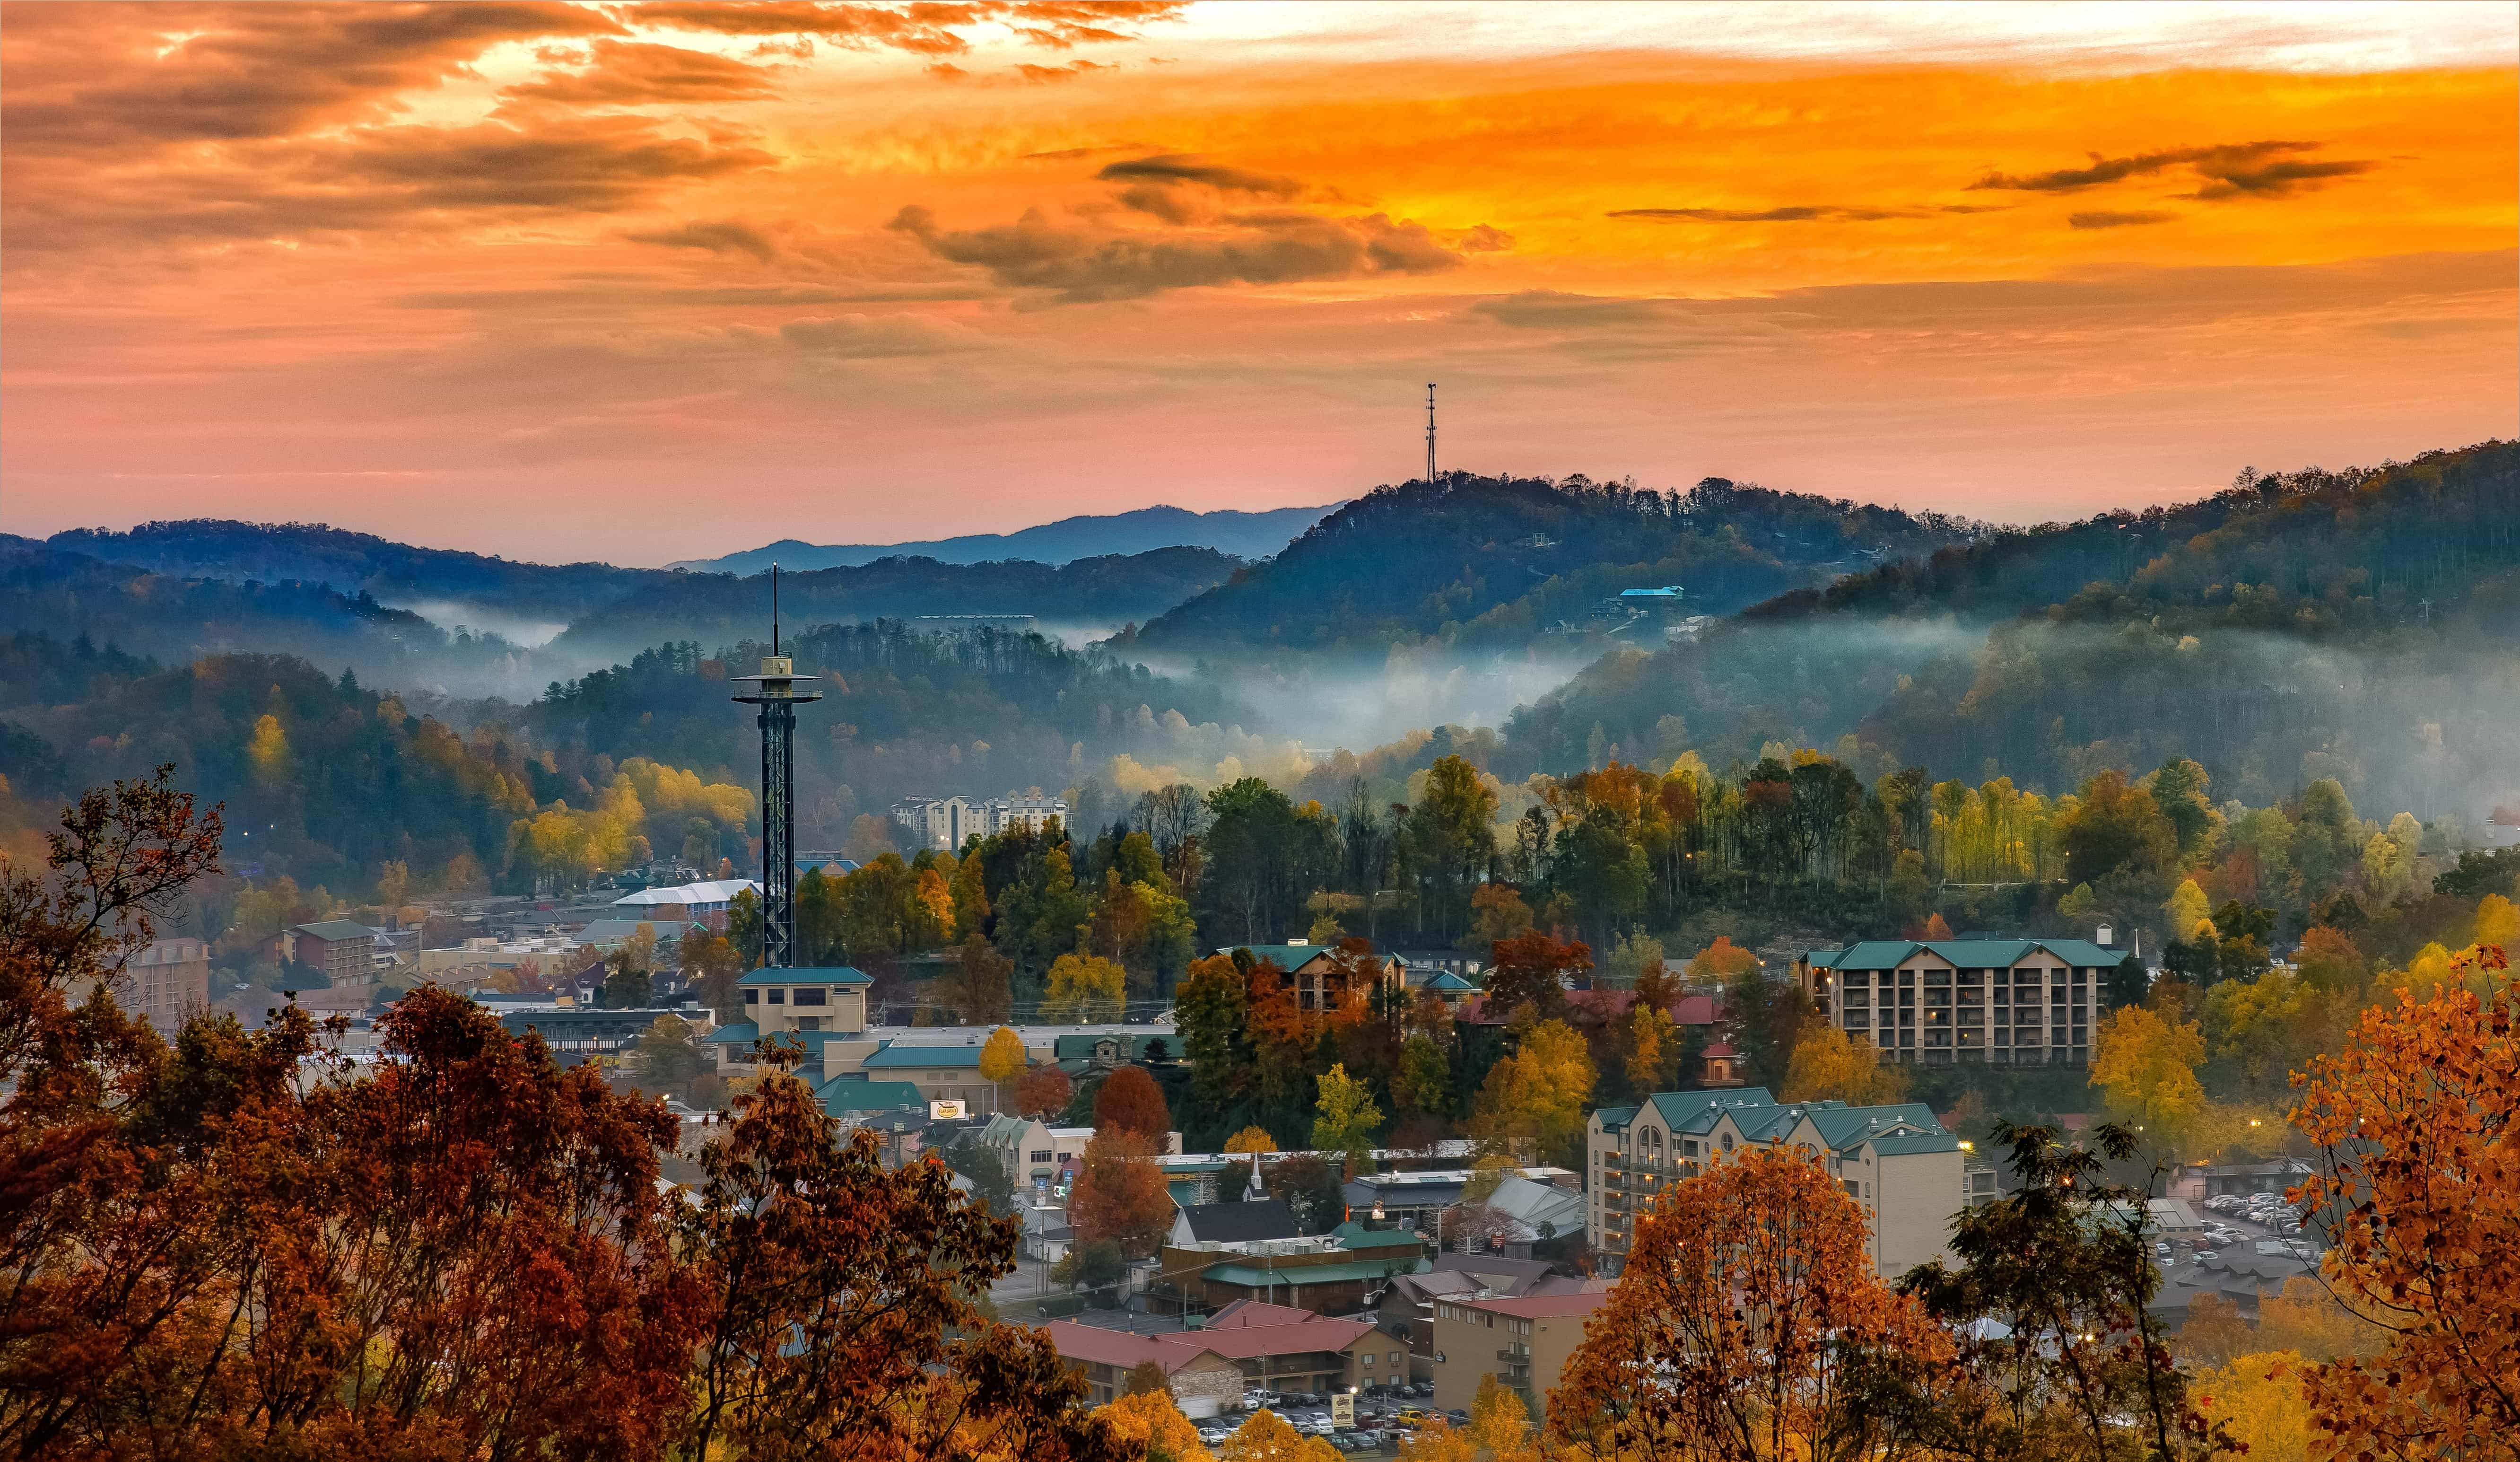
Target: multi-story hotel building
x,y
1906,1172
2008,1002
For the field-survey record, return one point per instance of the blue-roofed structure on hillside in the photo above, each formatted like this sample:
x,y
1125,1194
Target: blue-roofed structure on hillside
x,y
1983,998
810,1006
1895,1161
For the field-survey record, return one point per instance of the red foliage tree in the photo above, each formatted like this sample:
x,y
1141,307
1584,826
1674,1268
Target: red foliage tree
x,y
1043,1090
1128,1101
1534,970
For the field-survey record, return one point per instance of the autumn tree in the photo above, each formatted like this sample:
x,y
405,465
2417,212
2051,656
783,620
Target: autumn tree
x,y
1147,1419
1251,1140
1128,1101
2147,1065
1002,1056
1828,1065
1345,1118
1268,1438
1532,1100
1534,970
1083,989
2420,1181
1120,1195
979,990
669,1056
1044,1090
840,1314
1721,961
1739,1329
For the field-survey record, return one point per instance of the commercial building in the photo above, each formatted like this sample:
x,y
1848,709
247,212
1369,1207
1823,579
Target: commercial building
x,y
166,981
1998,1001
1035,1153
1243,1345
342,949
942,1060
1906,1172
704,902
1523,1342
1339,1273
1407,1310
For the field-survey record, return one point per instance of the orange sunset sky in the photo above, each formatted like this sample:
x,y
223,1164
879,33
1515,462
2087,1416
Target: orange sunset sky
x,y
647,282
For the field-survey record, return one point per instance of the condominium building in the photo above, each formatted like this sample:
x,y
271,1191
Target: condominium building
x,y
944,823
1907,1174
169,980
1524,1341
2004,1002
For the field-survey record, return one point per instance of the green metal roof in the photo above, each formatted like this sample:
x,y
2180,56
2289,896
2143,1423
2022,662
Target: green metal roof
x,y
1449,982
1697,1111
1922,1142
850,1094
1357,1236
1965,954
1253,1277
1184,1191
336,928
830,974
895,1058
1615,1118
737,1034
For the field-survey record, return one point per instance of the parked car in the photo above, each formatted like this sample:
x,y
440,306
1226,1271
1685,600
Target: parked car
x,y
1457,1417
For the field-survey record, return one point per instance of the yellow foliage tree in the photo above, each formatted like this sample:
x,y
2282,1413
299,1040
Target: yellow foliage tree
x,y
1722,960
2498,922
1151,1421
935,899
1501,1424
1830,1066
1535,1097
2147,1065
2259,1396
1002,1055
1267,1437
1251,1140
267,752
2188,907
1083,989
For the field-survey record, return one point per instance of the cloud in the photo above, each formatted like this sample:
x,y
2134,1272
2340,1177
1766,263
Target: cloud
x,y
1186,167
1069,72
115,77
2246,169
635,73
727,236
1073,154
2274,179
2105,219
1080,265
1800,213
926,29
856,336
1482,239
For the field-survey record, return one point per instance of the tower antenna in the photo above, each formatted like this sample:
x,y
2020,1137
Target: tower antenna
x,y
775,691
1430,433
774,606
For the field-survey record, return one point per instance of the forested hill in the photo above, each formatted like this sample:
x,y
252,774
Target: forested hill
x,y
1493,560
2354,625
1099,592
361,563
1244,535
177,617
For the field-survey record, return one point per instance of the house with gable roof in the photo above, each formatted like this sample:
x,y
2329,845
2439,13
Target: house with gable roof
x,y
1985,999
1315,972
1903,1170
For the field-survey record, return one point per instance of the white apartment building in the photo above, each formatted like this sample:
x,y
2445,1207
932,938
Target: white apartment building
x,y
945,823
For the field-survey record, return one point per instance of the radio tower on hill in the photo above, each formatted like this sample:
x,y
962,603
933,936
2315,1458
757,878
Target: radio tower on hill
x,y
775,692
1430,433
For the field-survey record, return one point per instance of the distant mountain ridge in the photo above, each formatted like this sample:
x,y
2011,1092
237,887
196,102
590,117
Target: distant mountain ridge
x,y
1244,535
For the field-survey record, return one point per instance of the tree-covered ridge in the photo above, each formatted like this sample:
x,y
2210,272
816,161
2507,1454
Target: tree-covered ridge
x,y
1497,558
176,617
355,562
2338,627
1107,590
2337,537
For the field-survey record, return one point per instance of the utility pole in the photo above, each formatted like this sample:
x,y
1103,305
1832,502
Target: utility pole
x,y
1430,433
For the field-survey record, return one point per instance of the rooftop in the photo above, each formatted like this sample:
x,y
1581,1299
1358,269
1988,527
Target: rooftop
x,y
1963,954
820,975
336,928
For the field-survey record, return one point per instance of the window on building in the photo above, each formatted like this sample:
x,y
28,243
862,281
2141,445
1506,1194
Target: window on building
x,y
778,997
812,997
1367,1360
1727,1142
809,1023
753,997
1045,1156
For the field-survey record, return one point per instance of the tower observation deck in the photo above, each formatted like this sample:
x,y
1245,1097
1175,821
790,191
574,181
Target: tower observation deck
x,y
775,691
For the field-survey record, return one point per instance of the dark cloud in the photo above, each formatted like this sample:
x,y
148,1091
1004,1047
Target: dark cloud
x,y
927,28
2245,169
124,76
2274,179
631,74
1075,153
727,237
1079,265
2101,218
1800,213
1186,167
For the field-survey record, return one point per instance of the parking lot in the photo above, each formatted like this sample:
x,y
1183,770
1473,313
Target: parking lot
x,y
2232,1220
1383,1416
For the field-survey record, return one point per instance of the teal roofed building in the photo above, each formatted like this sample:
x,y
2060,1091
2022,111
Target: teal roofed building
x,y
1907,1174
1985,999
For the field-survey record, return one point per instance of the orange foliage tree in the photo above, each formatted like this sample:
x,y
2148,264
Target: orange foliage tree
x,y
1128,1101
1729,1336
1043,1090
2420,1177
1119,1195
